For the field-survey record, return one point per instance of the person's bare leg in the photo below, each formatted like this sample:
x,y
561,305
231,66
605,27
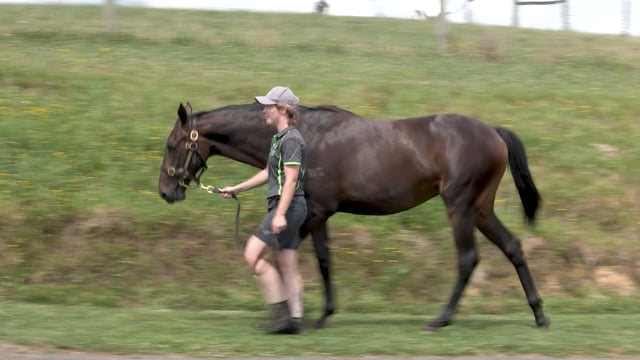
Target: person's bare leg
x,y
293,286
267,276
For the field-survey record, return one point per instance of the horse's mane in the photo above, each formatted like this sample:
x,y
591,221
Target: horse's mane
x,y
324,116
302,108
231,108
330,108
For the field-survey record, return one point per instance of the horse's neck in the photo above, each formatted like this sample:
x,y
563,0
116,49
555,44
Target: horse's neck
x,y
241,135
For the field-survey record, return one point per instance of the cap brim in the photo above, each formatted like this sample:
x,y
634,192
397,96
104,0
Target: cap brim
x,y
265,100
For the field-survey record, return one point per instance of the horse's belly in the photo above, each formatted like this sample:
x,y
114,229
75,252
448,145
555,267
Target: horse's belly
x,y
386,202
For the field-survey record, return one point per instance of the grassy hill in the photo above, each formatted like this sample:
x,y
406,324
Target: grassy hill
x,y
84,116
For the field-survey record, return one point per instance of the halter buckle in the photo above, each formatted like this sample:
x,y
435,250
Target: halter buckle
x,y
191,146
193,135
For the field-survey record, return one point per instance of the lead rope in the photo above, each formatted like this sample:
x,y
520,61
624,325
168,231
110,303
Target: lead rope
x,y
213,190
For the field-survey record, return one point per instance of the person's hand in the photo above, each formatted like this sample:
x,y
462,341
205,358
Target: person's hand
x,y
228,192
278,223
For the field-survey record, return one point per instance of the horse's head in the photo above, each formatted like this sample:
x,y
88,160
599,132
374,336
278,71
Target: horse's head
x,y
183,161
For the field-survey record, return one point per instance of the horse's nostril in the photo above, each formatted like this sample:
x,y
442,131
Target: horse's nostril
x,y
163,195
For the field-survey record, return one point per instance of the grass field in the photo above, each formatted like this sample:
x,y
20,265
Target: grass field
x,y
212,333
84,116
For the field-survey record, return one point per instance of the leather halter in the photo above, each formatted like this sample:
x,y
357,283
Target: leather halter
x,y
192,149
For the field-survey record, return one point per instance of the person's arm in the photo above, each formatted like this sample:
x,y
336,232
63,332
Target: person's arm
x,y
288,188
256,180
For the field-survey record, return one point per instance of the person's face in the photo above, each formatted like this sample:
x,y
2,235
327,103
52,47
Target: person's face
x,y
271,114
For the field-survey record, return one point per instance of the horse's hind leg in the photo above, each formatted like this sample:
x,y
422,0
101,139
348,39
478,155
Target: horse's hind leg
x,y
461,217
494,230
320,244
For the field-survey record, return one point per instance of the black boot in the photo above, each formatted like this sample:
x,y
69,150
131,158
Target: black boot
x,y
279,320
296,327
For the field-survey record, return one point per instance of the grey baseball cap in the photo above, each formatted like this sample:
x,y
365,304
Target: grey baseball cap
x,y
278,95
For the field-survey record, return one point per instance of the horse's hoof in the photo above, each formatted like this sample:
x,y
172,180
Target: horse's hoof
x,y
430,328
435,325
544,323
321,323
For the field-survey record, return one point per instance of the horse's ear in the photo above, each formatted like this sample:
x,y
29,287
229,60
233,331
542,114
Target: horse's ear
x,y
184,112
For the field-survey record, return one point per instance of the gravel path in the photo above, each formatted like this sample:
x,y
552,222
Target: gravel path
x,y
15,352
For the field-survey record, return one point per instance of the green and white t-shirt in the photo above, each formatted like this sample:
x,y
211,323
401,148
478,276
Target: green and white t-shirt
x,y
287,148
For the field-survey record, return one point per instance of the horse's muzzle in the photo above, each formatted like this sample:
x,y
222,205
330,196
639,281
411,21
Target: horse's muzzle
x,y
173,196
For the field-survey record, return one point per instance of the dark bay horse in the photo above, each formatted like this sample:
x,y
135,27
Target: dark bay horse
x,y
372,167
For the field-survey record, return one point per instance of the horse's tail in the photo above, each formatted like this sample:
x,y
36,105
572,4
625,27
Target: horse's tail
x,y
521,175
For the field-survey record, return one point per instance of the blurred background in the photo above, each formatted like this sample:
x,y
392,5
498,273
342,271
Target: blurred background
x,y
593,16
89,93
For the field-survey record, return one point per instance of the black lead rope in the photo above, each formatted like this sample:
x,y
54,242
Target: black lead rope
x,y
192,146
237,225
213,190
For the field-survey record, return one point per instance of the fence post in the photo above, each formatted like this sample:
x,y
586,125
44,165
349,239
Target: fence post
x,y
442,27
468,13
626,17
110,16
514,15
565,16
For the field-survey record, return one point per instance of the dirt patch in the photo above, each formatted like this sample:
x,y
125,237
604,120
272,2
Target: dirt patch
x,y
612,278
96,222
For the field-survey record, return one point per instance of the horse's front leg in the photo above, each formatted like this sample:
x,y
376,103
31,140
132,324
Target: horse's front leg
x,y
320,244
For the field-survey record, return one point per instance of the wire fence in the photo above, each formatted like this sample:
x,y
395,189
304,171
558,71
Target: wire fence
x,y
598,16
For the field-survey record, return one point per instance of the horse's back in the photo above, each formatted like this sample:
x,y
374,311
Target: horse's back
x,y
448,138
382,167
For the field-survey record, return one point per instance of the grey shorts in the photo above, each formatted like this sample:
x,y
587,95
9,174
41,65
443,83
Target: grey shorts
x,y
289,238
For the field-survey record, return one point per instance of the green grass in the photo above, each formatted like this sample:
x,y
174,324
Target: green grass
x,y
84,117
232,333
